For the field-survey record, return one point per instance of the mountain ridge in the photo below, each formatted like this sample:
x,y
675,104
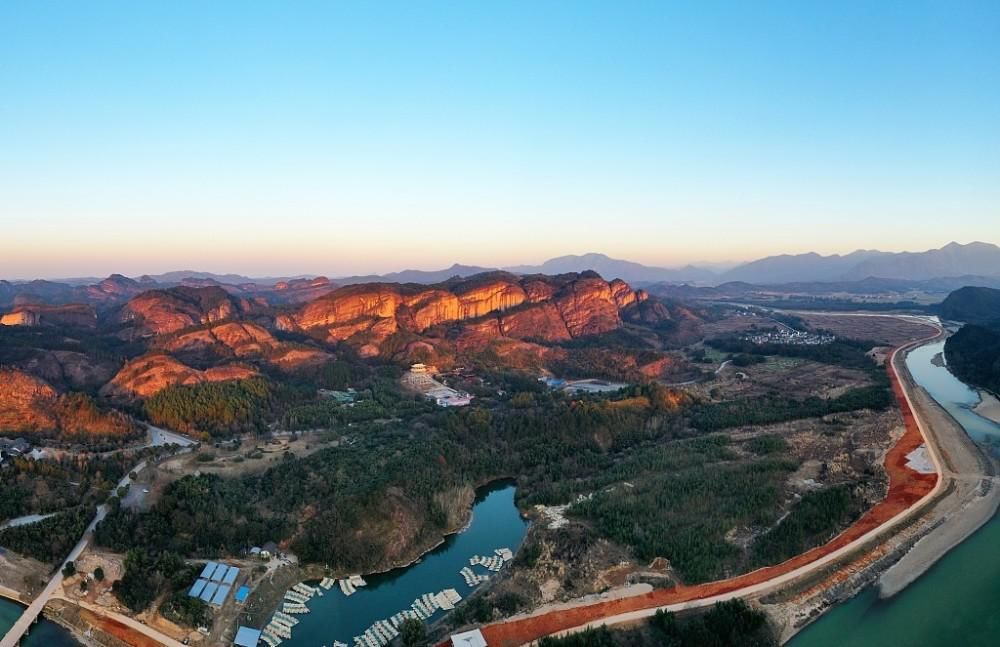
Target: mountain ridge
x,y
952,261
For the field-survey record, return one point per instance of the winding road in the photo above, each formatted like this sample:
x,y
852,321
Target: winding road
x,y
909,494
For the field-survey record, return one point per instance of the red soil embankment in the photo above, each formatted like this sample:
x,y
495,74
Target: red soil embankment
x,y
906,487
115,628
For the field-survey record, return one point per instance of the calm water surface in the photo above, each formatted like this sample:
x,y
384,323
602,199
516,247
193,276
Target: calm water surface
x,y
496,523
43,634
957,602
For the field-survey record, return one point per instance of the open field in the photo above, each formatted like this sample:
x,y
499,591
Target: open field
x,y
888,330
789,376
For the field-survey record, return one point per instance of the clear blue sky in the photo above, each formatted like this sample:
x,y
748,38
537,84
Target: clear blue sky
x,y
289,137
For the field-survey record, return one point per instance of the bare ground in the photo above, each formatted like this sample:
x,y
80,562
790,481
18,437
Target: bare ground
x,y
888,330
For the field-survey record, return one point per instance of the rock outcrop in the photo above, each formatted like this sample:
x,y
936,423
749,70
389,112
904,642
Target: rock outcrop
x,y
68,369
25,403
480,308
114,289
74,314
238,340
160,312
301,290
146,375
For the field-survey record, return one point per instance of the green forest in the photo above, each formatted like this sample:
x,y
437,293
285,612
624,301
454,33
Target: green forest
x,y
149,574
49,540
49,485
973,354
809,523
687,484
214,408
689,488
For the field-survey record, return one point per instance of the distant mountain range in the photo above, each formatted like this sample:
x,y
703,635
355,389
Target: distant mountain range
x,y
425,277
953,260
974,259
615,268
949,267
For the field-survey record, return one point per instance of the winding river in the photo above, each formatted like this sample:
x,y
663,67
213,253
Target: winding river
x,y
496,523
955,602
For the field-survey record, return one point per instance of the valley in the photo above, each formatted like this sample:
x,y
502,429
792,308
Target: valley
x,y
773,445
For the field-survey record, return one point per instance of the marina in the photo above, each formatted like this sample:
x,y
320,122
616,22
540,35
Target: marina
x,y
371,614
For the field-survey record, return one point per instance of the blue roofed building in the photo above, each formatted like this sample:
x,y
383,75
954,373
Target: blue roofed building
x,y
247,637
220,572
242,594
208,592
198,587
220,595
208,570
231,575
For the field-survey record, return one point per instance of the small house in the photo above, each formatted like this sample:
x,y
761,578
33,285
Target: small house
x,y
472,638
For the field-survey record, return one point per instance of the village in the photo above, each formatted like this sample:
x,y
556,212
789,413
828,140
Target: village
x,y
790,336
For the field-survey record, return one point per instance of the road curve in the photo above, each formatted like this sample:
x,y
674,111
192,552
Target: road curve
x,y
909,493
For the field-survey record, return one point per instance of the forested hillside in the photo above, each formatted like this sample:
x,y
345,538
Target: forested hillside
x,y
973,305
407,477
974,356
973,352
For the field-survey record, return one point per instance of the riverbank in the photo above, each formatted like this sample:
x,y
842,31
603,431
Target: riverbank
x,y
971,500
988,407
966,501
268,592
953,602
496,523
908,497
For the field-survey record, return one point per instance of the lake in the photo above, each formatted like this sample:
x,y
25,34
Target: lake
x,y
953,604
495,523
43,634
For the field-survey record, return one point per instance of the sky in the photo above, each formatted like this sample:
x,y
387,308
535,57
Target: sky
x,y
273,138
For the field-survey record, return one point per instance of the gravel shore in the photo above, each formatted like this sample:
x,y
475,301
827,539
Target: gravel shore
x,y
971,500
989,406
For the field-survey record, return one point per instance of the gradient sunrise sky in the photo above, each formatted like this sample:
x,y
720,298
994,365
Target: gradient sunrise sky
x,y
297,137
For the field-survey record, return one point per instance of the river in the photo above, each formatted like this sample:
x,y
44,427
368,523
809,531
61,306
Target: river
x,y
495,523
955,602
44,634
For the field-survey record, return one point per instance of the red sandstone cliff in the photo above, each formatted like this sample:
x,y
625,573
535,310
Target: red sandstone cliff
x,y
301,290
144,376
73,314
159,312
483,307
238,339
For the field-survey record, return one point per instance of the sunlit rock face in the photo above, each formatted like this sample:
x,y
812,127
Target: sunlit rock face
x,y
73,314
159,312
240,340
473,311
483,307
146,375
29,405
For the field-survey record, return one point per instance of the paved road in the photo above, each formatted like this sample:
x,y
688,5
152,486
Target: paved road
x,y
158,437
34,610
26,520
144,629
792,576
